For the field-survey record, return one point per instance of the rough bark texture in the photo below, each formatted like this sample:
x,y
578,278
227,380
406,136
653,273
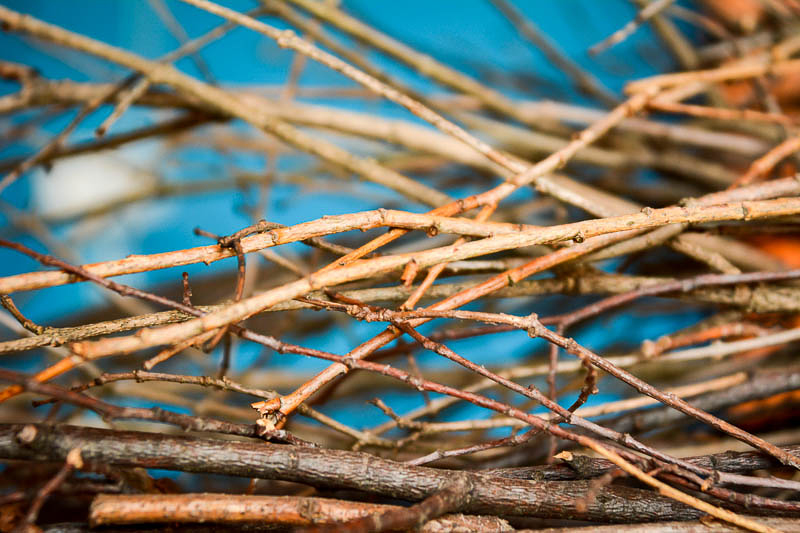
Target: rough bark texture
x,y
336,469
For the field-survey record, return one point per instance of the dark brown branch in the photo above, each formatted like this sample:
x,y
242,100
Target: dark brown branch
x,y
72,461
333,468
582,467
789,525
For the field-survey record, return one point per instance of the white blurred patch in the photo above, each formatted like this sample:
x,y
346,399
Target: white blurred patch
x,y
78,184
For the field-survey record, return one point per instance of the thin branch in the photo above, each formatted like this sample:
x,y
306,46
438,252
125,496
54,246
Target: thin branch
x,y
584,80
649,11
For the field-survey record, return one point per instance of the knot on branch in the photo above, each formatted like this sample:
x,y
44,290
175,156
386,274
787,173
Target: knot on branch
x,y
414,382
571,345
534,327
285,38
745,211
360,312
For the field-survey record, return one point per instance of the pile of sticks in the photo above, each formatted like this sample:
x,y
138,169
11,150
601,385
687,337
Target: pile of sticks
x,y
679,196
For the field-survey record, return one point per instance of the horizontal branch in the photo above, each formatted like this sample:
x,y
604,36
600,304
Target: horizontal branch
x,y
761,298
742,70
588,467
366,268
108,509
334,469
788,525
499,237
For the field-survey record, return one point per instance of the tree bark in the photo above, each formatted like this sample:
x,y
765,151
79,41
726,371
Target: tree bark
x,y
337,469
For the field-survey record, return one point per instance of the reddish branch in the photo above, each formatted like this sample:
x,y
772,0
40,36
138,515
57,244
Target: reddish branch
x,y
221,509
